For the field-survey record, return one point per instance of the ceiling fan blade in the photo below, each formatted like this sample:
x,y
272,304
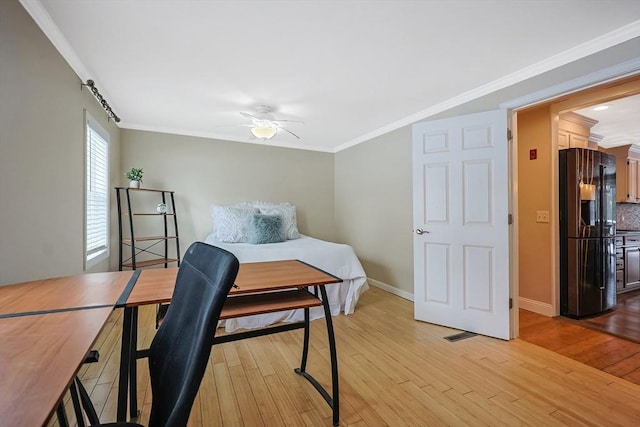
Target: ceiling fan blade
x,y
249,116
287,130
297,122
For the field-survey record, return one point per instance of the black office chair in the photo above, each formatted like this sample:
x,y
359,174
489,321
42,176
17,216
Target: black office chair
x,y
180,350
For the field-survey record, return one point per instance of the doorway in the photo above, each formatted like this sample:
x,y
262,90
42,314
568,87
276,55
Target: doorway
x,y
537,142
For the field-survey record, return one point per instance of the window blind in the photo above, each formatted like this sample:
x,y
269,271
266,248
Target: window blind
x,y
97,194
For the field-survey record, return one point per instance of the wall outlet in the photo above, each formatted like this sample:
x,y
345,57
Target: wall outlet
x,y
542,216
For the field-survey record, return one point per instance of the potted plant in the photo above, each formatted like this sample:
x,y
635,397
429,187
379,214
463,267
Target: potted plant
x,y
135,177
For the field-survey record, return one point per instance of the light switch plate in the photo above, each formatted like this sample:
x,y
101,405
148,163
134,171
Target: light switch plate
x,y
542,216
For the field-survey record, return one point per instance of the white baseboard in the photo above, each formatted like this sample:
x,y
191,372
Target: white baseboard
x,y
391,289
542,308
537,307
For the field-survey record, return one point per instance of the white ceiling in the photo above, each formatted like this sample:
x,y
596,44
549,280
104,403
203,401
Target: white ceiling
x,y
350,70
619,124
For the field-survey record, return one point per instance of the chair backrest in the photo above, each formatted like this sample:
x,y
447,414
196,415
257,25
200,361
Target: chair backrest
x,y
180,350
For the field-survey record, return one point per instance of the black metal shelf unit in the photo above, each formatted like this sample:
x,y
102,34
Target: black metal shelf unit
x,y
139,251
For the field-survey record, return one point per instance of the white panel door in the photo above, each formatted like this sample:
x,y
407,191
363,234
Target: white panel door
x,y
461,207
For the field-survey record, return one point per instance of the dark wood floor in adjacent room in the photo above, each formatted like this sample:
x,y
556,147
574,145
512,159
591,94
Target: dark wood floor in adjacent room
x,y
590,341
623,321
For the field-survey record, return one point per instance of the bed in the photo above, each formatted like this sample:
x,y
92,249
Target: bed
x,y
334,258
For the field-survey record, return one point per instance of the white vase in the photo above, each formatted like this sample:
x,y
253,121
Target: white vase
x,y
134,184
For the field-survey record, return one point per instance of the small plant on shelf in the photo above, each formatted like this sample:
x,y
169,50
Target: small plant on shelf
x,y
135,177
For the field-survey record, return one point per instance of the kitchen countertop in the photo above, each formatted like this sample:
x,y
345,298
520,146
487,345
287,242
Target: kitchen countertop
x,y
626,232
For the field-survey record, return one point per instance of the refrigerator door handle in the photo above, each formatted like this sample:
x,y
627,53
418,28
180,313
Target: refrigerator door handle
x,y
603,248
601,206
603,251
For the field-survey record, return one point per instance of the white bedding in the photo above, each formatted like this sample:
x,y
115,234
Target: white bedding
x,y
335,258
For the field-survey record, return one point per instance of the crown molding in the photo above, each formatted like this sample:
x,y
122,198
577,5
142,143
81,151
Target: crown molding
x,y
42,18
53,33
598,44
579,119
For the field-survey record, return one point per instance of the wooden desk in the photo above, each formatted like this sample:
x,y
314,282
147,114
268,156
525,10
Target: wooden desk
x,y
262,287
47,327
39,356
156,286
63,293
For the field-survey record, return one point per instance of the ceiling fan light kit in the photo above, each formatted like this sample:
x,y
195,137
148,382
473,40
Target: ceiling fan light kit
x,y
264,125
263,132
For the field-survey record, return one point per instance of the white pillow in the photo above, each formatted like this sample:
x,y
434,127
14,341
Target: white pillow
x,y
287,210
230,222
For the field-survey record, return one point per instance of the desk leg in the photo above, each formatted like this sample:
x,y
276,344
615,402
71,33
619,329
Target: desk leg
x,y
125,358
76,403
133,366
87,405
305,344
334,400
63,421
334,356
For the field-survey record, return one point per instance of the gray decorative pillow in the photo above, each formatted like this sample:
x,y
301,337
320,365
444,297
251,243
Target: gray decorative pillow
x,y
230,223
265,229
287,210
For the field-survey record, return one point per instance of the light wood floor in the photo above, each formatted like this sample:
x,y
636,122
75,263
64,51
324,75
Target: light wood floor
x,y
393,371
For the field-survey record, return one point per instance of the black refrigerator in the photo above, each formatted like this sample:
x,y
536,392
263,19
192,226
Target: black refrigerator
x,y
587,232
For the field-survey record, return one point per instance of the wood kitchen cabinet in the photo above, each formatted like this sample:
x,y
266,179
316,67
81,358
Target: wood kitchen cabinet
x,y
632,180
570,140
627,261
574,131
632,267
619,263
627,173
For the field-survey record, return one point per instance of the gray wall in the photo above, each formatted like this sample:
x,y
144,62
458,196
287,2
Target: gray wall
x,y
205,171
374,206
41,154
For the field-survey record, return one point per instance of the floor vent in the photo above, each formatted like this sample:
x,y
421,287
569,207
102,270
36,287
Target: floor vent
x,y
460,336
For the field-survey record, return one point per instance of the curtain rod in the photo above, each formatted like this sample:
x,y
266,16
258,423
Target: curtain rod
x,y
102,101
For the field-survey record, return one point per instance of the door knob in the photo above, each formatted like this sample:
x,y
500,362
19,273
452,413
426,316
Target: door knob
x,y
421,231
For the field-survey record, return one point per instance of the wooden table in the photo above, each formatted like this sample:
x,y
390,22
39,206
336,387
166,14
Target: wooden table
x,y
63,293
47,327
40,354
261,287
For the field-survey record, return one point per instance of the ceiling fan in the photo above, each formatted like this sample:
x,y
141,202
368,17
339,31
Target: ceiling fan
x,y
264,125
